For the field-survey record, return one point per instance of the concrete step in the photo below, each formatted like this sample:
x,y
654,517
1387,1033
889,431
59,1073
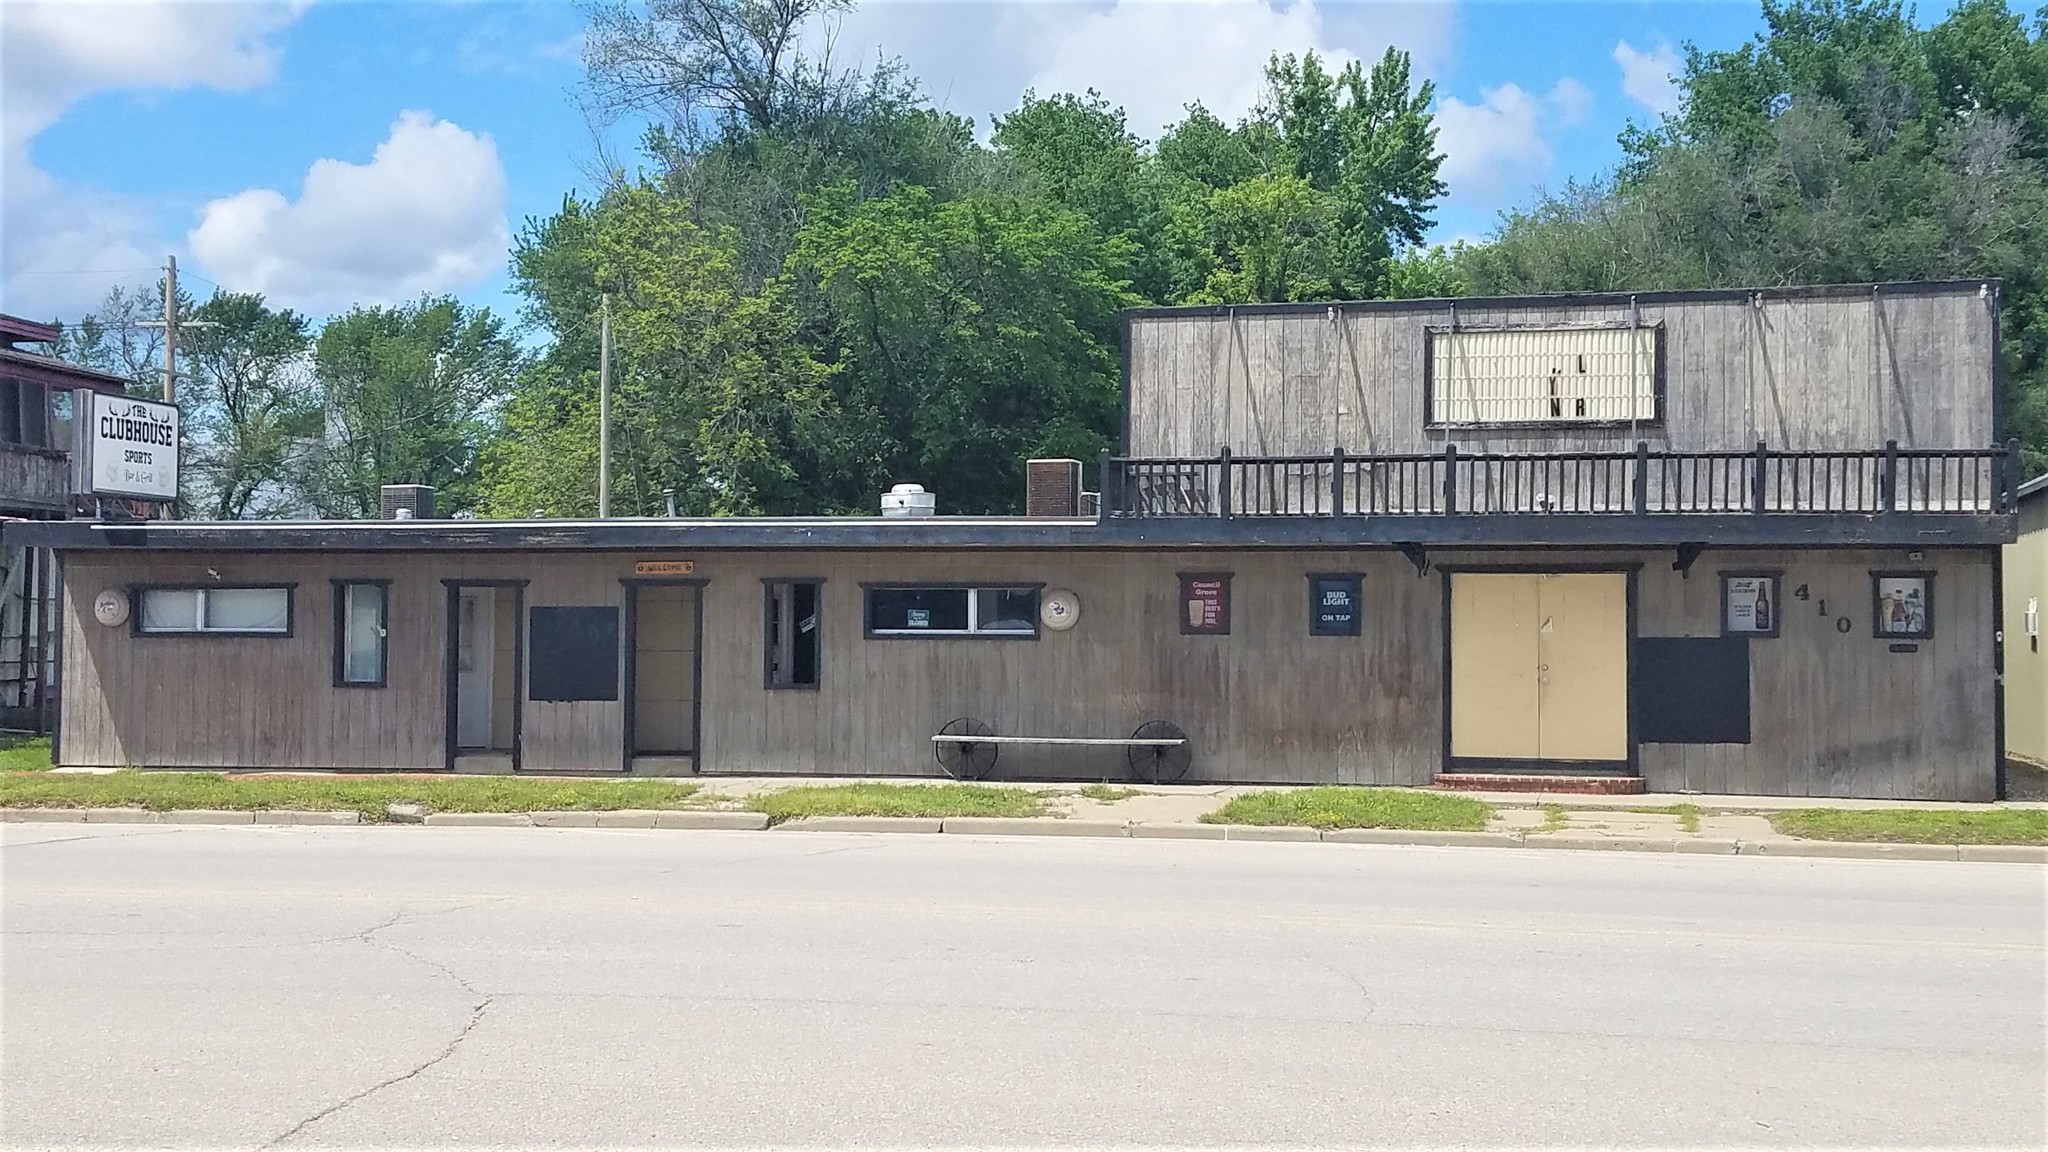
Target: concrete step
x,y
1541,782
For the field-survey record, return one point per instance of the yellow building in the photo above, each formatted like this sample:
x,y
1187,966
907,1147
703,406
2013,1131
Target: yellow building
x,y
2026,650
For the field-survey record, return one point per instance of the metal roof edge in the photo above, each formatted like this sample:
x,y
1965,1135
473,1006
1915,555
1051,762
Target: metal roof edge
x,y
1658,296
2035,486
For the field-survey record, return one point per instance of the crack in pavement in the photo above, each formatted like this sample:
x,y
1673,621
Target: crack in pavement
x,y
484,1000
94,836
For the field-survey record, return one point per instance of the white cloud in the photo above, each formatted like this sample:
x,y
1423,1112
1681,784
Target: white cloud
x,y
1150,56
53,55
1650,78
426,214
1499,148
1155,56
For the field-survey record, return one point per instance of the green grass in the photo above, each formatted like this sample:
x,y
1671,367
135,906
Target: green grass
x,y
1555,817
1108,793
163,791
24,753
1340,807
1915,825
1688,815
896,800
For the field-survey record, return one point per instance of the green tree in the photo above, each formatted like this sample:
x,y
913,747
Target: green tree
x,y
409,395
966,336
250,407
714,396
1842,145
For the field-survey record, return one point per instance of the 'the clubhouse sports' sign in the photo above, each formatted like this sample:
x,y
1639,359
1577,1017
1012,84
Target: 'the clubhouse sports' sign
x,y
131,447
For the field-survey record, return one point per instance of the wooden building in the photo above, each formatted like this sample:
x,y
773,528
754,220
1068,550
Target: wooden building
x,y
1726,542
36,394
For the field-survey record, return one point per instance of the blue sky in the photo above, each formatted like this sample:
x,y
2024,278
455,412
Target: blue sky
x,y
345,151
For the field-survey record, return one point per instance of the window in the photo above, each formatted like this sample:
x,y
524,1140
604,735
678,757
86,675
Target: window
x,y
790,624
236,611
1543,375
951,611
361,614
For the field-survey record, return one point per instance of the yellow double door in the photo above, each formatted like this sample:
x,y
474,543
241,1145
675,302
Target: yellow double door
x,y
1539,666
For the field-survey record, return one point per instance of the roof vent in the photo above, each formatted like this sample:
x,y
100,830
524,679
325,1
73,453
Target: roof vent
x,y
908,500
407,501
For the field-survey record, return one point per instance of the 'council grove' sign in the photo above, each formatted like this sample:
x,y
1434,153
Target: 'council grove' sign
x,y
131,447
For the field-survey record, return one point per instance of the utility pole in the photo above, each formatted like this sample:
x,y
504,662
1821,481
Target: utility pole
x,y
604,411
170,507
170,329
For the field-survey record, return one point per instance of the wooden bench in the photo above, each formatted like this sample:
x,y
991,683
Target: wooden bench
x,y
1157,751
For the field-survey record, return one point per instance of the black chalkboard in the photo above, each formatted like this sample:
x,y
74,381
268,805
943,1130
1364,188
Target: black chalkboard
x,y
573,654
1692,689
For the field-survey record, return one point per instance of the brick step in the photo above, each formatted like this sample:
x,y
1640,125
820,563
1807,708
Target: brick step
x,y
1541,782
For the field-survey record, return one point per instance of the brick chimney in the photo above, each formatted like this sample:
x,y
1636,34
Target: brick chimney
x,y
1052,488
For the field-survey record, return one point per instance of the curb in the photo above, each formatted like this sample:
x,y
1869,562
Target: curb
x,y
1031,826
859,824
1046,826
1427,839
206,816
346,816
728,821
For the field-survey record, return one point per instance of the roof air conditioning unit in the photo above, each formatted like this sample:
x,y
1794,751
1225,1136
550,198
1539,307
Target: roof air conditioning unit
x,y
407,501
1052,488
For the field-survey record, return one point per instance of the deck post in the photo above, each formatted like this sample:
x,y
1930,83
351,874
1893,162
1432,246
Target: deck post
x,y
1642,477
1890,495
2014,469
1757,483
1223,482
1450,479
1337,481
1105,503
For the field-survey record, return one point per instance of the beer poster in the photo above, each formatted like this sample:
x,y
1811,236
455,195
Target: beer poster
x,y
1904,605
1205,603
1749,604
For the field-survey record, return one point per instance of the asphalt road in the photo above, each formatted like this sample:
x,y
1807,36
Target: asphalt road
x,y
425,987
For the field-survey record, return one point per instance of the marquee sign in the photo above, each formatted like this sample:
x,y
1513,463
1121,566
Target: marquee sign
x,y
129,447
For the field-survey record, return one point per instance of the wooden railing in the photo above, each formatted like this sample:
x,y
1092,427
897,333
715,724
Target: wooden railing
x,y
1963,481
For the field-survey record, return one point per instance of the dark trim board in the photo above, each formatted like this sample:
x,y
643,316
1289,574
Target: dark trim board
x,y
454,587
1631,766
1531,530
630,654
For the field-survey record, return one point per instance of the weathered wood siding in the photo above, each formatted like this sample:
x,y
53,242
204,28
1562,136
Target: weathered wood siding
x,y
1834,713
1845,369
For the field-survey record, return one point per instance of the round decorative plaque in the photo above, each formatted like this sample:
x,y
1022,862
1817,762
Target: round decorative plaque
x,y
110,608
1059,610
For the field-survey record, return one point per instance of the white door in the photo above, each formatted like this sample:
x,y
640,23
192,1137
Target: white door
x,y
474,642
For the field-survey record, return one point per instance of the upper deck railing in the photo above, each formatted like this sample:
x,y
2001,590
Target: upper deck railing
x,y
1961,481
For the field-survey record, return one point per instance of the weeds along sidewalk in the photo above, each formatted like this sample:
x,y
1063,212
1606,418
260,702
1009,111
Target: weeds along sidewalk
x,y
1336,814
